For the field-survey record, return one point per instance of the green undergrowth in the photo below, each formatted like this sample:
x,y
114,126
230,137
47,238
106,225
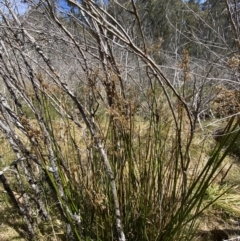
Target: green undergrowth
x,y
166,174
156,200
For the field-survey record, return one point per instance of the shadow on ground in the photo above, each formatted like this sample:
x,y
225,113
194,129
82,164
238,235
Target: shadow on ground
x,y
219,234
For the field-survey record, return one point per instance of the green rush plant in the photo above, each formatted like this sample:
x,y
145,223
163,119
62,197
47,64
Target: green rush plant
x,y
116,161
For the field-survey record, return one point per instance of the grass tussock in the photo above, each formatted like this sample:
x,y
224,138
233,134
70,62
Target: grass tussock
x,y
163,178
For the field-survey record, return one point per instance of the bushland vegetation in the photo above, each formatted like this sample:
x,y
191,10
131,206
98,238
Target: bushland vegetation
x,y
119,119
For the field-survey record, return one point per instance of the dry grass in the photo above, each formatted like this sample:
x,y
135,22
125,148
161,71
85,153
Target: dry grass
x,y
227,206
11,226
201,147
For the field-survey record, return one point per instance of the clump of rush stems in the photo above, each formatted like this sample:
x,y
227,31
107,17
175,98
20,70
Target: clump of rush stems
x,y
110,158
